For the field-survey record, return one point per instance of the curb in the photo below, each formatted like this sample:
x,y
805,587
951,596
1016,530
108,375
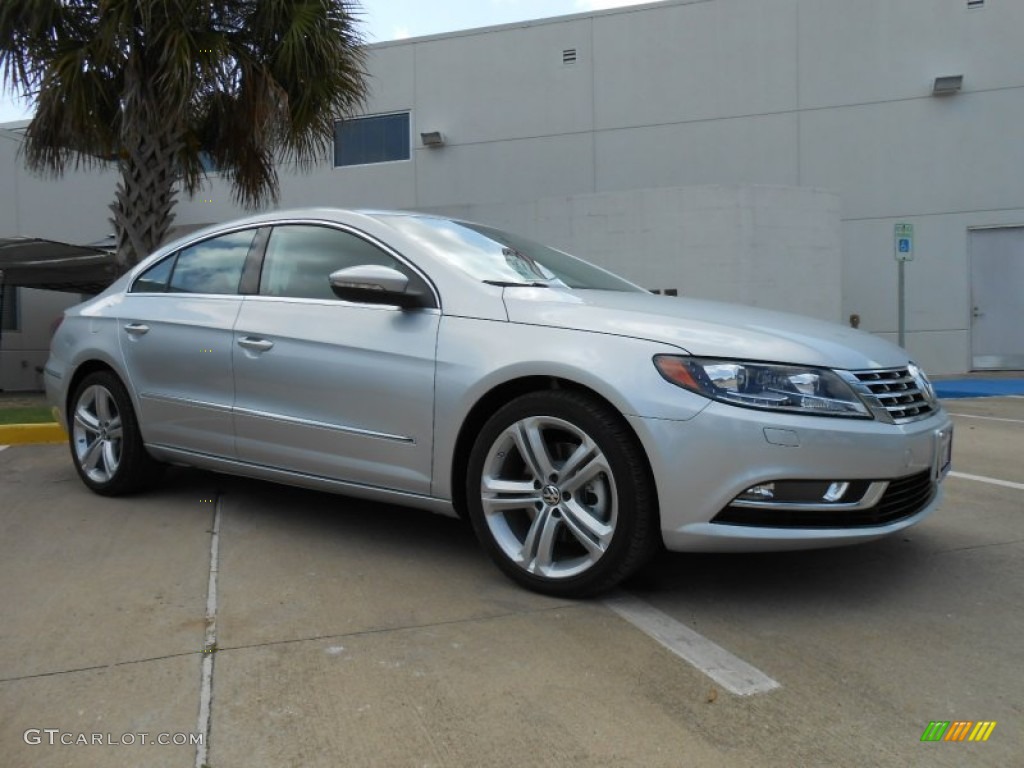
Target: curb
x,y
28,434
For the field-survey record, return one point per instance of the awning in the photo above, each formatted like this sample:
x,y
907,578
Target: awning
x,y
27,262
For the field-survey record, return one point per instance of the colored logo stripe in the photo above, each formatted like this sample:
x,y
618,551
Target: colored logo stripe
x,y
958,730
982,731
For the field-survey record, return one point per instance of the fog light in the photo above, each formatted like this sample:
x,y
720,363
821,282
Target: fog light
x,y
836,491
762,492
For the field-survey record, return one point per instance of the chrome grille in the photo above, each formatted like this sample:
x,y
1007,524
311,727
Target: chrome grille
x,y
897,392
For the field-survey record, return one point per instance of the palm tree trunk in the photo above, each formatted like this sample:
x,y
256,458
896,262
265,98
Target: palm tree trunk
x,y
146,193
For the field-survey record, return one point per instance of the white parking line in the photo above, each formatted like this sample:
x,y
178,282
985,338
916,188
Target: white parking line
x,y
986,418
989,480
4,447
731,672
206,689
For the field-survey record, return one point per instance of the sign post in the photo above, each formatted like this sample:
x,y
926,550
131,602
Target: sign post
x,y
903,245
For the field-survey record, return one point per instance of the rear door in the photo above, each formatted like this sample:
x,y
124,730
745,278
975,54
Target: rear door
x,y
333,388
175,326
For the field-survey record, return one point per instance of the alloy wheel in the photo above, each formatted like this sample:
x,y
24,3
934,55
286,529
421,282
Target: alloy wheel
x,y
97,433
549,497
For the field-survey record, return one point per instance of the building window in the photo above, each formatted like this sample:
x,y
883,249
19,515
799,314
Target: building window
x,y
377,139
207,162
9,311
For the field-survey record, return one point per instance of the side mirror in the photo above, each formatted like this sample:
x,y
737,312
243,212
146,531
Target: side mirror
x,y
374,284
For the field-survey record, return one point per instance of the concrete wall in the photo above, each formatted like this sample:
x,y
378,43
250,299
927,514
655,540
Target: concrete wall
x,y
73,209
827,94
772,247
824,94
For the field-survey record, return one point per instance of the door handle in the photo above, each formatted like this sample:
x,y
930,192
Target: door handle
x,y
137,329
256,345
976,312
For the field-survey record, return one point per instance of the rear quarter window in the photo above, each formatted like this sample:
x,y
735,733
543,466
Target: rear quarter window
x,y
212,266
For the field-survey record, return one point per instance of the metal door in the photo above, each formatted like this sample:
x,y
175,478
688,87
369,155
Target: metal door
x,y
997,298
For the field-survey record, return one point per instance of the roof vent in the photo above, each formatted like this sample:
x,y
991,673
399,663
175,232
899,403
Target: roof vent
x,y
569,56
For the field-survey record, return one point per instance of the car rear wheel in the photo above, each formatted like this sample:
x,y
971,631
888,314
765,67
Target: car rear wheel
x,y
106,445
560,495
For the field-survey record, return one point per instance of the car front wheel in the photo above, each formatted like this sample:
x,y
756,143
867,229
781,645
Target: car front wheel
x,y
106,446
560,496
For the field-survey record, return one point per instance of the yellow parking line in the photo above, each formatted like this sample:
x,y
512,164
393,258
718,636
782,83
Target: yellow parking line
x,y
25,434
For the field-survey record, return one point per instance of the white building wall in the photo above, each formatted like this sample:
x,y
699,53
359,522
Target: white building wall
x,y
772,247
824,94
73,209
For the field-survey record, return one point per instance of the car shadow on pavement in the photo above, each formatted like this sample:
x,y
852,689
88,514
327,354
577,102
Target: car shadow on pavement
x,y
859,574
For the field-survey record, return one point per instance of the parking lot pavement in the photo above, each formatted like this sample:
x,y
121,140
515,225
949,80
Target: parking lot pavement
x,y
356,634
102,614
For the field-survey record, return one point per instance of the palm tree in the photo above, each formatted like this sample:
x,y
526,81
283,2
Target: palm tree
x,y
160,86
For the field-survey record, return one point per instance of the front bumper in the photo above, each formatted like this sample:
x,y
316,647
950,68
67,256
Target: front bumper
x,y
701,465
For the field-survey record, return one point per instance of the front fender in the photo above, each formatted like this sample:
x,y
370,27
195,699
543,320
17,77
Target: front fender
x,y
474,357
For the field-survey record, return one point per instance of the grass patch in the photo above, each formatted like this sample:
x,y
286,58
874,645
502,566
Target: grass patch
x,y
26,415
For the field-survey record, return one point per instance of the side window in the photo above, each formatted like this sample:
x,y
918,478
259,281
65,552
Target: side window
x,y
154,279
300,258
212,266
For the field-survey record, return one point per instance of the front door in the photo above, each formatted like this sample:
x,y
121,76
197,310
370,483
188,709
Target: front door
x,y
997,298
327,387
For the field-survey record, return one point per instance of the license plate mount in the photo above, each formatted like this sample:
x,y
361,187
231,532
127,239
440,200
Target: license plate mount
x,y
943,453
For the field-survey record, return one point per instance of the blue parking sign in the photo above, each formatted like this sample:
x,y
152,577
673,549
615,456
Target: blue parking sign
x,y
903,241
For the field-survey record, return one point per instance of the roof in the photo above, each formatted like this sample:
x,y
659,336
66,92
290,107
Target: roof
x,y
28,262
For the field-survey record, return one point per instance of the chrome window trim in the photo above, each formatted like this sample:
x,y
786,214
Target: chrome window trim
x,y
336,303
272,224
348,229
144,266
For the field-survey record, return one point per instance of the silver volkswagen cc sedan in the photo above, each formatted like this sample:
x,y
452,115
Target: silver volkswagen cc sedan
x,y
579,422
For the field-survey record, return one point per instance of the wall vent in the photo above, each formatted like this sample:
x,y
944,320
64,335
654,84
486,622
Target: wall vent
x,y
569,56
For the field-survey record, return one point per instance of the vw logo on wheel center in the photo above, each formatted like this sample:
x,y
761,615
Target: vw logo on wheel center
x,y
550,495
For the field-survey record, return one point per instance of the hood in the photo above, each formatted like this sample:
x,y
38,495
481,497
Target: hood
x,y
705,328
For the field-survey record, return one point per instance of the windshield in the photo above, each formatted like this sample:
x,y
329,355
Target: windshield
x,y
493,256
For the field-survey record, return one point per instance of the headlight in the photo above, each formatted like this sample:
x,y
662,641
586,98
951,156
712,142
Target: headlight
x,y
790,388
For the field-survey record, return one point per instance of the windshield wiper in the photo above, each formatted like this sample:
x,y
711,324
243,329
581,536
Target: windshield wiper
x,y
510,284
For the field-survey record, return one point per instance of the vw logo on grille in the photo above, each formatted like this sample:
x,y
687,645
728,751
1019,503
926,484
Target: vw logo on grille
x,y
550,495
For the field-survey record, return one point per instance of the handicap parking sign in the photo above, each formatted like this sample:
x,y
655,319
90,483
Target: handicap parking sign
x,y
904,242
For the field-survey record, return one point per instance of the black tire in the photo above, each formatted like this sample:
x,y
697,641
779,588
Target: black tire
x,y
591,523
106,446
